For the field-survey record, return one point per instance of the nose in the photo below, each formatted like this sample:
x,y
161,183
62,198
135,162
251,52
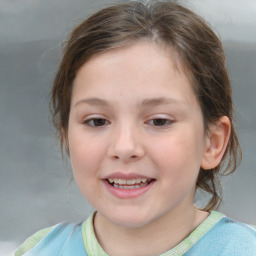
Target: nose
x,y
126,144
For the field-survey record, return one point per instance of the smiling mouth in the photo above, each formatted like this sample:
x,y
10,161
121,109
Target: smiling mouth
x,y
129,183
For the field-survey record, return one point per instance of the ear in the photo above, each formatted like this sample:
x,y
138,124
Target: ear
x,y
216,143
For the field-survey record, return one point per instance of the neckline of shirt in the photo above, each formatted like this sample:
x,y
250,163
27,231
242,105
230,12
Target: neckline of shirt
x,y
93,247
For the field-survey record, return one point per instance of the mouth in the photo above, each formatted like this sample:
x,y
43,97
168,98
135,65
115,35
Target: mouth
x,y
129,183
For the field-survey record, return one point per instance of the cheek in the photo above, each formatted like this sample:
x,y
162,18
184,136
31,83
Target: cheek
x,y
178,158
85,154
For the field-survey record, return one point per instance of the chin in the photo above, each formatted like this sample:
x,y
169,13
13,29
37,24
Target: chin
x,y
129,220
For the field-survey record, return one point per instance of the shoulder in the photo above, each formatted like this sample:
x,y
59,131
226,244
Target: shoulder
x,y
235,229
52,240
236,237
32,241
228,237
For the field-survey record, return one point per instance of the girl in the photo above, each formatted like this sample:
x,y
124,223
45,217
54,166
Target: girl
x,y
142,104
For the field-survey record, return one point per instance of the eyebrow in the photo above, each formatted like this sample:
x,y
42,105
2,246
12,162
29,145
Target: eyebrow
x,y
161,101
146,102
93,101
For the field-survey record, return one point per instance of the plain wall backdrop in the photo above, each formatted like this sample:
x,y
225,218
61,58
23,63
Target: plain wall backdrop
x,y
36,187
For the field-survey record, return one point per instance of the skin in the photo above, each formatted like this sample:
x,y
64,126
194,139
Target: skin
x,y
139,132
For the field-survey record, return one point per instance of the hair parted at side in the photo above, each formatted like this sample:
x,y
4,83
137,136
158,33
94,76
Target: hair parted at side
x,y
199,50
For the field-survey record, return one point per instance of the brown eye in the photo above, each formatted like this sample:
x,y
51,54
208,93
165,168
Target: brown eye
x,y
96,122
160,122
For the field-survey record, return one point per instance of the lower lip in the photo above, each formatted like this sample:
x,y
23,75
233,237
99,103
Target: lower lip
x,y
128,193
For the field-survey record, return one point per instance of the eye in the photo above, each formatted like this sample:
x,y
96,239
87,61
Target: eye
x,y
160,122
96,122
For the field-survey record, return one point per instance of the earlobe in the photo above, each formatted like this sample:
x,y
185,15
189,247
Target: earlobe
x,y
216,143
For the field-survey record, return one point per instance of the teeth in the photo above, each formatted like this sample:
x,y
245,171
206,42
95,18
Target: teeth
x,y
129,184
129,187
120,181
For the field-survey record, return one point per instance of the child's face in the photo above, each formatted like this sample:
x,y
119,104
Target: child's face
x,y
135,116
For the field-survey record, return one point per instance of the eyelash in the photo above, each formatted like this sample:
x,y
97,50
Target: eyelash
x,y
91,122
167,122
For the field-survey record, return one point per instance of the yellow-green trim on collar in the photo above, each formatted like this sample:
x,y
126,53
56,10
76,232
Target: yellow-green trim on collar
x,y
91,244
93,247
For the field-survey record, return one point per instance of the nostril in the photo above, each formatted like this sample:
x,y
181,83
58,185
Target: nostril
x,y
131,157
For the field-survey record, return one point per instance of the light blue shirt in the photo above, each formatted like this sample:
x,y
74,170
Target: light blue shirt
x,y
216,236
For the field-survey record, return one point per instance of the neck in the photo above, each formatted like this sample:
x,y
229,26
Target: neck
x,y
155,238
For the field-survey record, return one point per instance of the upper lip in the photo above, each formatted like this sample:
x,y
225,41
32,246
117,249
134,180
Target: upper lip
x,y
126,176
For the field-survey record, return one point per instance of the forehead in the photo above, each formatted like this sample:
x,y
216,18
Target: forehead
x,y
137,53
141,68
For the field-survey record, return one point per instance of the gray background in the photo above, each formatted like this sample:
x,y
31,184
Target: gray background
x,y
35,183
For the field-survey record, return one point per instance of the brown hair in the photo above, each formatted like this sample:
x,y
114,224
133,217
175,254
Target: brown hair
x,y
200,52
